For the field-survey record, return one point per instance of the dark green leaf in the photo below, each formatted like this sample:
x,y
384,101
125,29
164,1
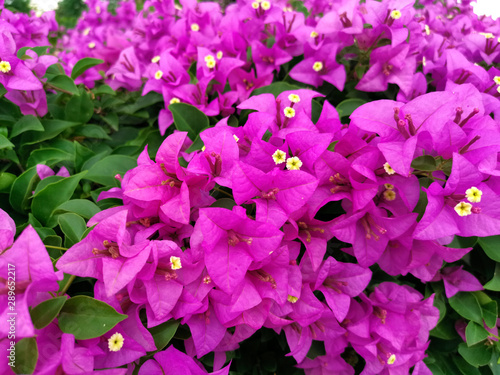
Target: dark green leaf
x,y
197,145
163,333
87,318
346,107
53,195
105,170
112,120
91,131
82,207
26,356
80,108
21,189
476,355
490,313
104,89
5,143
189,118
25,123
464,367
63,83
45,312
73,227
48,156
82,65
462,242
494,283
6,181
475,333
51,129
424,163
491,246
41,50
467,305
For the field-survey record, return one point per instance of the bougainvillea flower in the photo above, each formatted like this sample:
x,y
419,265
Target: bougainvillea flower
x,y
456,280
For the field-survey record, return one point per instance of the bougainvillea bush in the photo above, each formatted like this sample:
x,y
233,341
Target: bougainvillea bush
x,y
259,187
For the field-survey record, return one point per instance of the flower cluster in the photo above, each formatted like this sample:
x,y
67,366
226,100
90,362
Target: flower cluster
x,y
228,267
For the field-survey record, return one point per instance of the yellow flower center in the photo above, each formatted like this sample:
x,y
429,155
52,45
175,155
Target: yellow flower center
x,y
396,14
195,27
115,342
236,137
496,79
389,195
473,194
175,263
317,66
314,34
174,100
279,156
98,9
289,112
388,169
211,64
255,5
294,98
293,163
91,45
5,66
389,186
219,55
155,59
292,299
463,209
391,359
158,74
487,35
427,29
266,5
86,31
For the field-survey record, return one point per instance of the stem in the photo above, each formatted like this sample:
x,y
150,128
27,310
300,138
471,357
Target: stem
x,y
224,192
68,283
50,86
56,247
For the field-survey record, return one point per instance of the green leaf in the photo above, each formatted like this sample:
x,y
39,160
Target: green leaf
x,y
91,131
491,246
82,207
5,143
424,163
21,190
80,108
26,356
45,312
41,50
444,330
475,333
112,120
84,64
105,170
73,227
464,367
189,118
462,242
52,128
476,355
346,107
467,305
25,123
104,89
196,145
6,181
490,313
48,156
53,195
163,333
493,284
275,89
63,82
87,318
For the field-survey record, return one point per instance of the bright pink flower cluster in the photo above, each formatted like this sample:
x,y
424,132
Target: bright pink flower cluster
x,y
228,267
